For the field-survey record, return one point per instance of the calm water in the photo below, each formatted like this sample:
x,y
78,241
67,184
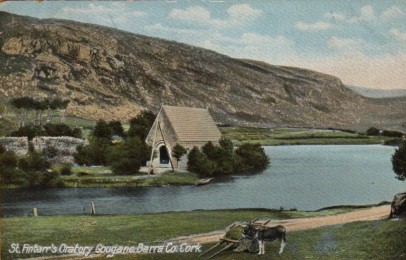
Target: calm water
x,y
305,177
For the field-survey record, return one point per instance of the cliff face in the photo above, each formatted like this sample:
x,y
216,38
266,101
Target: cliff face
x,y
111,74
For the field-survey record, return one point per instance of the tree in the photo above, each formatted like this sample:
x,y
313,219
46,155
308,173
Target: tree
x,y
102,130
116,128
399,161
18,103
61,129
93,154
199,163
33,161
251,157
63,105
29,131
8,172
127,158
141,124
372,131
178,151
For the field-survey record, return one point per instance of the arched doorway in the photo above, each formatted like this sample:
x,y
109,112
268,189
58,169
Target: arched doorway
x,y
163,155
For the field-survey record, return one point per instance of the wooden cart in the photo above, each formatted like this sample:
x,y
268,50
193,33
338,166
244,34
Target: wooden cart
x,y
242,244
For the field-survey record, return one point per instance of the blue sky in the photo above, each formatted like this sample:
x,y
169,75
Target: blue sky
x,y
362,42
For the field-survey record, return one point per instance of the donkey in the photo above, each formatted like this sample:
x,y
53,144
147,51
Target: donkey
x,y
267,234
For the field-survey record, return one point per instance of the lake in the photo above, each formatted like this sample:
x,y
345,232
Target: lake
x,y
307,177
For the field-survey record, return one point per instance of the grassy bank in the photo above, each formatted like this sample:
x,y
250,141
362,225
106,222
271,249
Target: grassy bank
x,y
298,136
363,240
102,177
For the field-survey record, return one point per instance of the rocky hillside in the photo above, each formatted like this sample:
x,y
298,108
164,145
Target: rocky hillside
x,y
108,73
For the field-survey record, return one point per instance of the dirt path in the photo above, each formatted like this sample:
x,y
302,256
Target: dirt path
x,y
374,213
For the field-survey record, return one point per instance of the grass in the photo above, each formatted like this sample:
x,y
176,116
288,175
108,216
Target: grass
x,y
361,240
93,177
297,136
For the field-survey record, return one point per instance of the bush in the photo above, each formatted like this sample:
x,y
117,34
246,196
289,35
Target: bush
x,y
29,131
389,133
8,172
33,161
372,131
178,151
50,152
61,130
399,161
93,154
102,130
127,158
251,157
66,170
141,124
116,128
199,163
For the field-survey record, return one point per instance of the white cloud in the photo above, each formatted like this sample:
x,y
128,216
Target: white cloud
x,y
194,14
398,35
318,26
344,43
367,14
237,15
243,11
391,12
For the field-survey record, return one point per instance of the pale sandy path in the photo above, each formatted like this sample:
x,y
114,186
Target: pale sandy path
x,y
374,213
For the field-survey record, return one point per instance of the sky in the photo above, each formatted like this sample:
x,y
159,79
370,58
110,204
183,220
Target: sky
x,y
361,42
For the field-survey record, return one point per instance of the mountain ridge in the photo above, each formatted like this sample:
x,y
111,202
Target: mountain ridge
x,y
113,74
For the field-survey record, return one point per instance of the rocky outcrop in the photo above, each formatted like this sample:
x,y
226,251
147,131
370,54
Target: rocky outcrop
x,y
112,74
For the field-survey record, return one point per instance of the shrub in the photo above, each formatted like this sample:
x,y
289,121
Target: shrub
x,y
390,133
93,154
199,163
102,130
251,157
116,128
141,124
50,152
66,170
29,131
399,161
127,158
178,151
372,131
8,172
61,130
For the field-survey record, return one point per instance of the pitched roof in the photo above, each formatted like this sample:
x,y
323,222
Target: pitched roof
x,y
192,124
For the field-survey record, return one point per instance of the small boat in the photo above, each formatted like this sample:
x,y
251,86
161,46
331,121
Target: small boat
x,y
202,181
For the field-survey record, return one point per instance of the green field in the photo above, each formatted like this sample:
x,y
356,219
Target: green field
x,y
361,240
298,136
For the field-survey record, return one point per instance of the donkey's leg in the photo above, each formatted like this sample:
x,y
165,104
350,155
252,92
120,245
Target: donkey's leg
x,y
283,243
260,247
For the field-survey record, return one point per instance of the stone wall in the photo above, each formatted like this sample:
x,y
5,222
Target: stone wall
x,y
17,144
65,146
